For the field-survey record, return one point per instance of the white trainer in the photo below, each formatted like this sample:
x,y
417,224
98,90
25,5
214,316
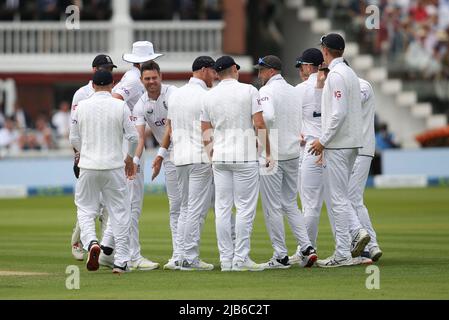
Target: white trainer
x,y
77,251
196,266
248,265
106,261
143,264
226,266
296,258
359,243
375,253
119,270
361,260
277,264
172,265
332,262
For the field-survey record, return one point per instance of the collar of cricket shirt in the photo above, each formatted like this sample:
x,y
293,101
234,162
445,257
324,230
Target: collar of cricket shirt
x,y
197,81
274,78
335,62
102,93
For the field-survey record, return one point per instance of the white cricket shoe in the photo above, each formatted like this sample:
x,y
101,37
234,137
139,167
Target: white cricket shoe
x,y
277,263
196,266
333,262
143,264
77,251
359,243
226,266
375,253
361,260
296,258
305,259
106,261
248,265
172,265
120,270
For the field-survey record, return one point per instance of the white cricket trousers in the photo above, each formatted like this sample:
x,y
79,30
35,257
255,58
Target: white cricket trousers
x,y
135,193
236,184
112,185
195,184
174,201
337,168
311,191
103,218
359,217
278,189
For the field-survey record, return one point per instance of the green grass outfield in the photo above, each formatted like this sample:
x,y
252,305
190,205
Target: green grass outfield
x,y
412,227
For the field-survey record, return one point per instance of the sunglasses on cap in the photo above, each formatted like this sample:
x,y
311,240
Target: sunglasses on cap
x,y
261,62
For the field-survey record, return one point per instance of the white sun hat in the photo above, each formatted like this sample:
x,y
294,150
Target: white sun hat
x,y
142,51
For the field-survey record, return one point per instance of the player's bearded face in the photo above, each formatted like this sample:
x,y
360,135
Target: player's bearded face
x,y
152,80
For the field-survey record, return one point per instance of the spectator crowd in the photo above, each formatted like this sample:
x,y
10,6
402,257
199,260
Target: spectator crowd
x,y
53,10
413,35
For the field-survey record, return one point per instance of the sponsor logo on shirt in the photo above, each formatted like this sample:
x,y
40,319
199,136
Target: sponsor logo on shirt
x,y
337,94
160,123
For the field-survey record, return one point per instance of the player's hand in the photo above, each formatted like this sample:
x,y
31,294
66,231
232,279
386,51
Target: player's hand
x,y
129,167
302,141
269,163
322,75
157,163
76,169
317,148
319,161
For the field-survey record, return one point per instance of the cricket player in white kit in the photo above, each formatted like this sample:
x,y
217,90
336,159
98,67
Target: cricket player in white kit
x,y
231,116
98,127
341,136
279,187
103,62
152,109
360,217
311,182
130,89
193,167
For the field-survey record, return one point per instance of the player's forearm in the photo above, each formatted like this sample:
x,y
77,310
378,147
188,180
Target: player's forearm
x,y
165,143
141,143
74,136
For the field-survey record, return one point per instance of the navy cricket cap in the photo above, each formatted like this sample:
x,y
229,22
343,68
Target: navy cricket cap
x,y
203,62
224,63
269,62
102,78
333,41
311,56
103,60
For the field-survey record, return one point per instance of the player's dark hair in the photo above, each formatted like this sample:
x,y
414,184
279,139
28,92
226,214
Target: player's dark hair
x,y
150,65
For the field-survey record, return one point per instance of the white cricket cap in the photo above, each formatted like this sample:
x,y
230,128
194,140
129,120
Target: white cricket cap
x,y
142,51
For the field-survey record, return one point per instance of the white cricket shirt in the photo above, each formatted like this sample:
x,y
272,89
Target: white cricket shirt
x,y
130,87
229,108
311,107
154,112
81,94
280,103
341,110
368,111
98,127
185,113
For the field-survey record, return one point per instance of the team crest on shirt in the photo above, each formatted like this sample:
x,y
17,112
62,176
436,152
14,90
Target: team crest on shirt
x,y
150,111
